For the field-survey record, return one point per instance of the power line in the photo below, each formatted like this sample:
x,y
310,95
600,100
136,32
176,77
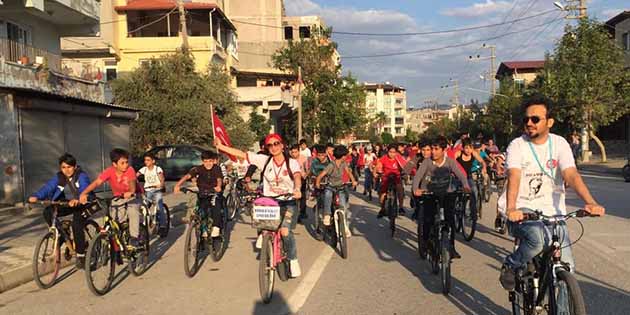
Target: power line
x,y
153,22
413,52
414,33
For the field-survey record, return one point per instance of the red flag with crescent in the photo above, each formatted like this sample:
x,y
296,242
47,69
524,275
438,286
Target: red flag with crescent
x,y
220,132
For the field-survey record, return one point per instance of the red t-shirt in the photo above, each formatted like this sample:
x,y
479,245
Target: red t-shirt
x,y
390,166
119,185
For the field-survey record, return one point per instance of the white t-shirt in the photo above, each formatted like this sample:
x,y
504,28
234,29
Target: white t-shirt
x,y
240,167
541,186
276,178
151,176
306,152
368,158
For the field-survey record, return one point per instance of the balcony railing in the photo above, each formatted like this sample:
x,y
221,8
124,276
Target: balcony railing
x,y
18,52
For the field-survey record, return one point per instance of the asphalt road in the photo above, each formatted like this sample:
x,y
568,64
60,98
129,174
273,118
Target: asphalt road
x,y
381,276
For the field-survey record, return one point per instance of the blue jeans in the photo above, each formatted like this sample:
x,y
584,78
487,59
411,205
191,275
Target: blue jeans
x,y
367,183
474,195
534,237
289,221
156,198
343,201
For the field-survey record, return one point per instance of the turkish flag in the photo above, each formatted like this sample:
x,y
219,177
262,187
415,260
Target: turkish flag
x,y
401,160
220,132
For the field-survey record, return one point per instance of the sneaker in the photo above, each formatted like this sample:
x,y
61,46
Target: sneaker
x,y
455,254
364,193
507,278
80,262
295,268
259,241
327,220
216,231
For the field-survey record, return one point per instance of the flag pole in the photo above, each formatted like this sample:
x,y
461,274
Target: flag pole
x,y
212,116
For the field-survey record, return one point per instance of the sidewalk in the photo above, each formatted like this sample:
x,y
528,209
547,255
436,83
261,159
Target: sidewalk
x,y
20,230
612,167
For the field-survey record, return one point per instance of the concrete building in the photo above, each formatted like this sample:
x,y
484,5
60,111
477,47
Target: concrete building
x,y
388,99
420,119
521,73
43,112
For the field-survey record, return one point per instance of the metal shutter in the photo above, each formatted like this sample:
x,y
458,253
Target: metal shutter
x,y
83,140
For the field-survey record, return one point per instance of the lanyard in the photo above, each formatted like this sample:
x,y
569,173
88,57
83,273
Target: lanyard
x,y
531,147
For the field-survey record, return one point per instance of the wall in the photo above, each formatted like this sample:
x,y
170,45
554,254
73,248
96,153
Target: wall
x,y
249,54
620,28
10,168
44,35
266,12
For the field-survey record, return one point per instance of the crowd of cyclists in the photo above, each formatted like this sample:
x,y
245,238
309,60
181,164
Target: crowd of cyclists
x,y
536,169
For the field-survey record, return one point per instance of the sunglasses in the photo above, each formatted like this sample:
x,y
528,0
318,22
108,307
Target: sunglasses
x,y
274,144
534,119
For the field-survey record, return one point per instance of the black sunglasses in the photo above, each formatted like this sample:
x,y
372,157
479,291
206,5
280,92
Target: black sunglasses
x,y
534,119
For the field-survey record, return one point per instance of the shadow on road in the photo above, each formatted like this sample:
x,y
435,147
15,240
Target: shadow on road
x,y
602,297
277,306
403,250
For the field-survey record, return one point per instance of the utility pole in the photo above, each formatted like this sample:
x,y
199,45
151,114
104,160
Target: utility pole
x,y
299,103
493,69
183,30
579,6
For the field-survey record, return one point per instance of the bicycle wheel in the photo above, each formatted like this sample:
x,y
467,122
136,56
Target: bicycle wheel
x,y
434,254
317,222
283,267
393,213
343,240
479,201
101,264
486,194
167,224
459,213
46,261
138,264
219,244
419,235
192,248
266,275
232,205
468,222
445,263
573,302
626,173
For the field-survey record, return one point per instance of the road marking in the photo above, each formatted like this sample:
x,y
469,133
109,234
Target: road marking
x,y
298,298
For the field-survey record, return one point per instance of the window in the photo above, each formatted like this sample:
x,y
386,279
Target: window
x,y
386,129
288,32
305,32
519,84
398,130
400,121
18,34
110,74
625,41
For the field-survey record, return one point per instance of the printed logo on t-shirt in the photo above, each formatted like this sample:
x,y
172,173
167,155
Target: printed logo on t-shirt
x,y
534,187
552,163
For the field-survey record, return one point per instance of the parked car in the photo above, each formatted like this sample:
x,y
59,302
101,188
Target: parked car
x,y
175,160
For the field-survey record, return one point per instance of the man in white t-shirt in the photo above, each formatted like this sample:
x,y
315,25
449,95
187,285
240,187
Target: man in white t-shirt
x,y
281,175
539,163
153,185
304,150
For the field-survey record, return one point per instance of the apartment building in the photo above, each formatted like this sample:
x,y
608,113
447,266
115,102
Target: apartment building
x,y
391,100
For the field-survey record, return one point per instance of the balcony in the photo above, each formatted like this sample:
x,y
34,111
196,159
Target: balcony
x,y
27,55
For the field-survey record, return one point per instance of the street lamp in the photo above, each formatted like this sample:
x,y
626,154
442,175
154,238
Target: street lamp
x,y
559,5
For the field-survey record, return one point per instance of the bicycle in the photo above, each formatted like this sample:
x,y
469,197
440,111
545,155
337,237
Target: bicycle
x,y
232,201
47,255
152,216
267,217
195,242
546,274
439,245
625,171
465,217
111,246
337,231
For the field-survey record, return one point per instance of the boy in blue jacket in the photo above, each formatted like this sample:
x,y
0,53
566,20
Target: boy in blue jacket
x,y
67,185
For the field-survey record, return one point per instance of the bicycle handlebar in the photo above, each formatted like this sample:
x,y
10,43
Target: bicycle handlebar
x,y
51,203
537,215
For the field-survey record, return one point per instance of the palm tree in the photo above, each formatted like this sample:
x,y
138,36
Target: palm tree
x,y
379,120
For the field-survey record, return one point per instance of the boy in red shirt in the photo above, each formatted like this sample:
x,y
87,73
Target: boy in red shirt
x,y
122,180
388,166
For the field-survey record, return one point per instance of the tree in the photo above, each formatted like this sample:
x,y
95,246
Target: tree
x,y
502,113
258,124
586,78
331,104
411,136
387,138
176,103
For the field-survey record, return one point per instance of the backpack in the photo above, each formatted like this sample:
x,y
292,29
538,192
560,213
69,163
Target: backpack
x,y
286,161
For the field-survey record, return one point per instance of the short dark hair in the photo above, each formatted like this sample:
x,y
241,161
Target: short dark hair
x,y
424,144
320,148
340,151
118,153
209,155
392,146
68,159
467,142
294,147
537,99
329,145
440,142
302,141
149,155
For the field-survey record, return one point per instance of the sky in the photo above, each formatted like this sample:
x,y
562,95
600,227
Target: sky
x,y
430,75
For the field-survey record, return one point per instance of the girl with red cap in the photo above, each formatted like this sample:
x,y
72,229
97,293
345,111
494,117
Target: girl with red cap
x,y
281,176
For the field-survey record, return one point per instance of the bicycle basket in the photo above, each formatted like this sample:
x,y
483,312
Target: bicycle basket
x,y
266,214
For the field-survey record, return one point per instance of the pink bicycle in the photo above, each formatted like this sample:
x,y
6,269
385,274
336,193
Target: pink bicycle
x,y
267,216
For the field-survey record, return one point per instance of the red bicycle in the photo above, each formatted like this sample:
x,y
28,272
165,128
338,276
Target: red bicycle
x,y
267,216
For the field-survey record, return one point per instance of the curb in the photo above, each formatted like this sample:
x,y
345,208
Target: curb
x,y
21,275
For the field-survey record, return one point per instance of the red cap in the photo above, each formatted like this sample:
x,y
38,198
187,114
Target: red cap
x,y
273,136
